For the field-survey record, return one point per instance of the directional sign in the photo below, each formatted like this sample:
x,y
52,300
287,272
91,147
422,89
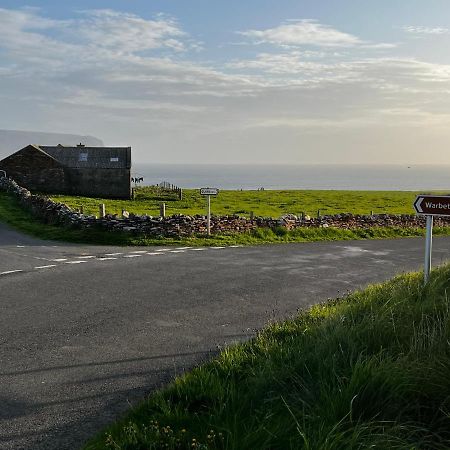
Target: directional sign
x,y
209,191
433,205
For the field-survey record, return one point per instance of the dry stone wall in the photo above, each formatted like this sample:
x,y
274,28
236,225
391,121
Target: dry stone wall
x,y
180,225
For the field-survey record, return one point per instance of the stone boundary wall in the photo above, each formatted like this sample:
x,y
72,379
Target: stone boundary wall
x,y
179,225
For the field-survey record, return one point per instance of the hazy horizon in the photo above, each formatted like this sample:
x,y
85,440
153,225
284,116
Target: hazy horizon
x,y
288,82
298,176
162,163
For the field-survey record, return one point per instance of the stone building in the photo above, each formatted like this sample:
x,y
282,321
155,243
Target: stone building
x,y
80,170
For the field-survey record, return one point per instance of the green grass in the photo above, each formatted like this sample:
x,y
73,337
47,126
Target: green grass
x,y
13,214
262,203
367,371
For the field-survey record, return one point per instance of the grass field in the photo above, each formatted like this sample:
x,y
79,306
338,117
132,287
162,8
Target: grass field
x,y
13,214
262,203
367,371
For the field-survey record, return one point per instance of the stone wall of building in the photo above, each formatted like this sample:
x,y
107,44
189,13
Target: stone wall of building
x,y
180,225
38,172
112,183
35,170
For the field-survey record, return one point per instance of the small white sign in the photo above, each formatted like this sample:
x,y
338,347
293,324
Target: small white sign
x,y
209,191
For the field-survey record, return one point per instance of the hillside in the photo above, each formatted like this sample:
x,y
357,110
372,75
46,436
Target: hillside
x,y
13,140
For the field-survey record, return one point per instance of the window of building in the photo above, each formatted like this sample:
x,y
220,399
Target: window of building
x,y
83,157
114,159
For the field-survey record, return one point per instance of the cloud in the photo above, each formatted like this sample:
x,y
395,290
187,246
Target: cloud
x,y
303,32
98,50
293,68
127,33
131,79
382,117
307,32
407,72
420,30
23,38
93,35
124,58
298,69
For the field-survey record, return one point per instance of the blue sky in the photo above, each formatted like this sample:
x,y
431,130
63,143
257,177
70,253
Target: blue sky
x,y
234,81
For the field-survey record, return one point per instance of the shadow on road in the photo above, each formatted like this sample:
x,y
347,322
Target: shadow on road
x,y
97,364
34,424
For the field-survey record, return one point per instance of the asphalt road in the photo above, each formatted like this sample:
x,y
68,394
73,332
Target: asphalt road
x,y
87,330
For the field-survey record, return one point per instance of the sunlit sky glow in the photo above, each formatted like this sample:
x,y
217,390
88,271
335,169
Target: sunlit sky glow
x,y
215,81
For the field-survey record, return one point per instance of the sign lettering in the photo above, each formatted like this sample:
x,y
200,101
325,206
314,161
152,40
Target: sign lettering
x,y
209,191
432,205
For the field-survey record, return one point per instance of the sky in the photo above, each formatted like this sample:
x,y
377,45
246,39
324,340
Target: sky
x,y
235,82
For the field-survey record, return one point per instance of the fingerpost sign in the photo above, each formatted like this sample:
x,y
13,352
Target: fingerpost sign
x,y
430,206
207,192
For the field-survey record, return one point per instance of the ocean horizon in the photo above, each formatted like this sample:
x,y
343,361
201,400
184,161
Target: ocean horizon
x,y
320,177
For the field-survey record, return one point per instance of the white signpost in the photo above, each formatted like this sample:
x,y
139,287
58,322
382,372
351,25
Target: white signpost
x,y
430,206
208,192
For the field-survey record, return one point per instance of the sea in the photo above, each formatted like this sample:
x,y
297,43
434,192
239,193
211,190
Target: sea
x,y
251,177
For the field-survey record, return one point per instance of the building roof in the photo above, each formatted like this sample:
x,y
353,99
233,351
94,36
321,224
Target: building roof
x,y
90,157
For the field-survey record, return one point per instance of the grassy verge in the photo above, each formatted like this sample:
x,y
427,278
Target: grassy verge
x,y
367,371
13,214
262,203
17,217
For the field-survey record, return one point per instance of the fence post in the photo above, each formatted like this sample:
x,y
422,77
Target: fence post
x,y
101,210
252,215
318,213
81,209
162,210
180,194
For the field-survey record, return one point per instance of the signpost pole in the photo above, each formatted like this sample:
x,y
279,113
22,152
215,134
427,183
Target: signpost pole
x,y
208,192
428,249
209,215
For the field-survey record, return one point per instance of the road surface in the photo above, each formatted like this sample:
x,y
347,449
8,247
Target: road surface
x,y
87,330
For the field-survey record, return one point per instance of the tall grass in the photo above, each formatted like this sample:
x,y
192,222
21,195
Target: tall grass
x,y
371,370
